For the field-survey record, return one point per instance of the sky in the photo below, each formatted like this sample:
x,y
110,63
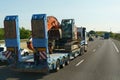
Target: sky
x,y
98,15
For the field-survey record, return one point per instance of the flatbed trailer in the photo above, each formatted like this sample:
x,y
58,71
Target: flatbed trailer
x,y
41,60
54,61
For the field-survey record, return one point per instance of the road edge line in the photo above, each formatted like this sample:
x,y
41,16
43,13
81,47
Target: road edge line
x,y
115,46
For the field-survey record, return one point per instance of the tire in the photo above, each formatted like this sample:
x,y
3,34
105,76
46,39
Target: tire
x,y
67,61
57,66
63,62
82,51
85,48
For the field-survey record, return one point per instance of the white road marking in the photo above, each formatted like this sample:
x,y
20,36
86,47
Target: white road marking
x,y
94,50
115,47
79,63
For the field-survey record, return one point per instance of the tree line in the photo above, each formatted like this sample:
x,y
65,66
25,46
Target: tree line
x,y
24,33
100,33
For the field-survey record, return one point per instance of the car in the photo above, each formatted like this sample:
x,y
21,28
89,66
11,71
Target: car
x,y
24,52
2,55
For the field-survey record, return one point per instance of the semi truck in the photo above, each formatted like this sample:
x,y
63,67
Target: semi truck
x,y
106,35
82,37
49,53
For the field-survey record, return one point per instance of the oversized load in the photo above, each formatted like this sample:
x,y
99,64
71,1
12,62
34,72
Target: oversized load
x,y
53,28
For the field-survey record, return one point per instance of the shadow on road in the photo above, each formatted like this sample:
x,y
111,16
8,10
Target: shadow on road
x,y
7,74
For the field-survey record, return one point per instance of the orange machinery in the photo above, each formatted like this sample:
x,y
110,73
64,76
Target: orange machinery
x,y
53,27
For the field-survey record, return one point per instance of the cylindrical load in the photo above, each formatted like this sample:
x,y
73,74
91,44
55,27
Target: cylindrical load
x,y
53,29
52,22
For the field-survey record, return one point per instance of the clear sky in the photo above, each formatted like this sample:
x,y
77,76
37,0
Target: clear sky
x,y
99,15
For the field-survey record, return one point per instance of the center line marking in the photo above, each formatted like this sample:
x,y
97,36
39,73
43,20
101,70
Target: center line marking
x,y
79,63
115,47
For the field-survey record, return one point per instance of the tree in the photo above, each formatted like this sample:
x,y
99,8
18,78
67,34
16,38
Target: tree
x,y
1,33
24,33
92,33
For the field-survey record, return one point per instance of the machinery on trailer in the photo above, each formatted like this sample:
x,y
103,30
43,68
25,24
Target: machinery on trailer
x,y
69,42
61,37
53,27
41,60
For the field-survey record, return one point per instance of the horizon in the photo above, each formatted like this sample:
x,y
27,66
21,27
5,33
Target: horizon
x,y
94,15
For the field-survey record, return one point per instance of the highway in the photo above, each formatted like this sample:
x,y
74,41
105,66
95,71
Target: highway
x,y
101,62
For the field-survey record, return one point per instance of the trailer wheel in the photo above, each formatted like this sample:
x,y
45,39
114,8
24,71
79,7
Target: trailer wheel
x,y
63,62
81,51
67,60
85,48
57,66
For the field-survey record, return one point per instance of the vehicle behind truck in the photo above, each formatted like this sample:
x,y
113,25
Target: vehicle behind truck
x,y
106,35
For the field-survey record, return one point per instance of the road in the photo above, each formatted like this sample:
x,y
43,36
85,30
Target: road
x,y
101,62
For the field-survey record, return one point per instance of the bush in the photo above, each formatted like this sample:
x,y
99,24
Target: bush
x,y
1,34
24,33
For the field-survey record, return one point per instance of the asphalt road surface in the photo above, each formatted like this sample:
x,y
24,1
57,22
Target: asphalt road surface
x,y
101,62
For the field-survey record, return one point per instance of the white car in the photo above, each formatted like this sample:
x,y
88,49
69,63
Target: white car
x,y
24,52
2,50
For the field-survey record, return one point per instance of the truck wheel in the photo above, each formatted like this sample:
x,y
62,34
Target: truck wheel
x,y
63,62
82,51
57,66
85,49
67,61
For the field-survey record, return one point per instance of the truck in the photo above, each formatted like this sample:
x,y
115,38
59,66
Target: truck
x,y
82,37
106,35
50,51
